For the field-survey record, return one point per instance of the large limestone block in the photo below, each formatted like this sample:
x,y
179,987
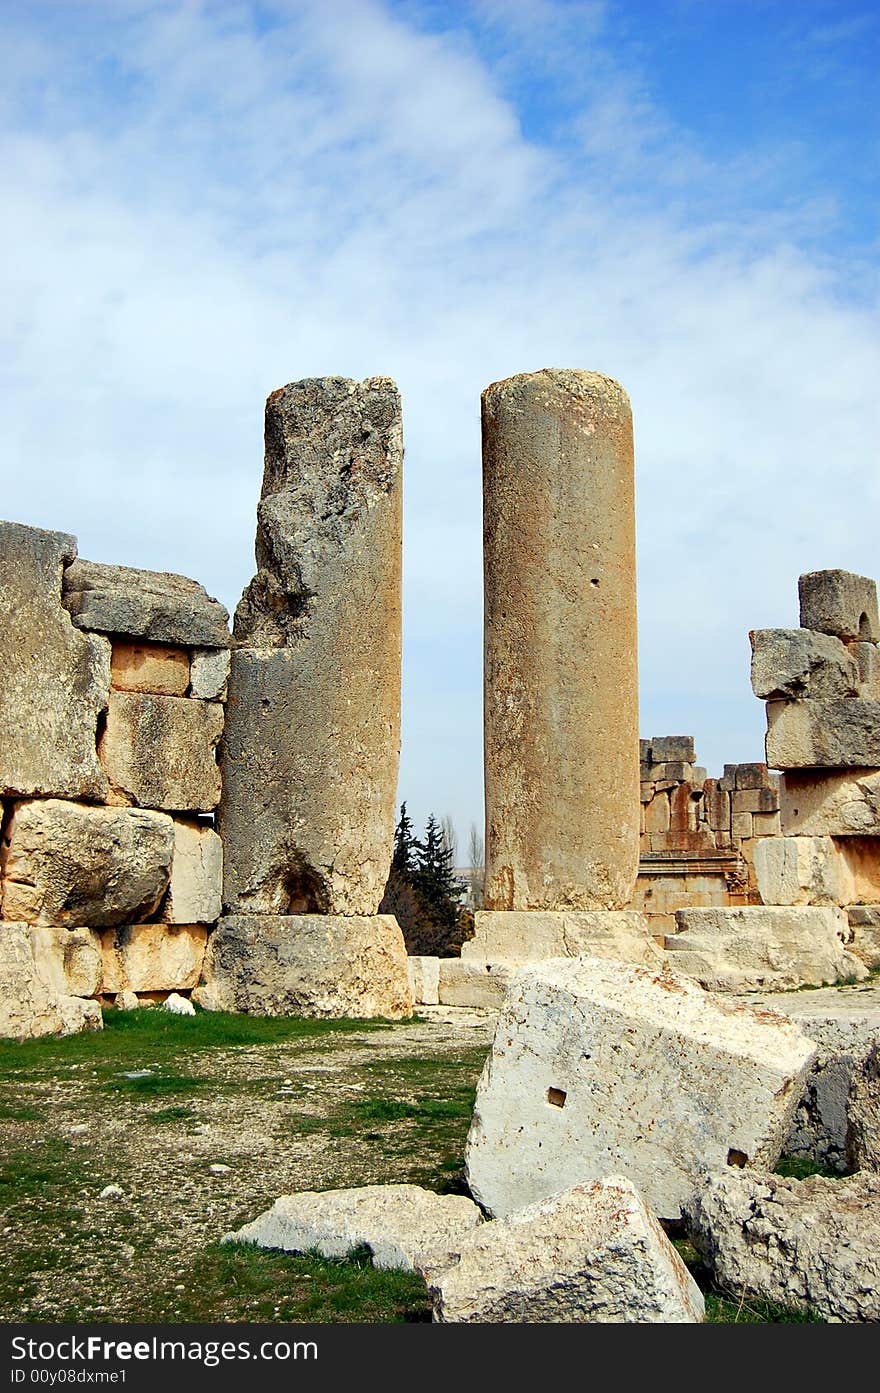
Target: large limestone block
x,y
600,1068
150,667
863,1113
68,960
159,752
424,980
561,737
824,734
402,1225
840,603
802,871
797,663
595,1253
312,744
152,605
535,934
32,997
830,803
475,982
763,947
304,817
309,965
195,889
813,1242
55,681
153,957
70,865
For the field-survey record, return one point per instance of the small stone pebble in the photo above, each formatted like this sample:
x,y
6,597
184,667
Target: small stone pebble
x,y
111,1192
219,1169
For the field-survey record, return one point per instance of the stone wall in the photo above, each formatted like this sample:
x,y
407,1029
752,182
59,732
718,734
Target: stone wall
x,y
698,835
111,710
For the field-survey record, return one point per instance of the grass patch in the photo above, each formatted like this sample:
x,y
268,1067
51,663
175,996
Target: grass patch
x,y
802,1167
749,1310
10,1112
153,1085
175,1114
239,1281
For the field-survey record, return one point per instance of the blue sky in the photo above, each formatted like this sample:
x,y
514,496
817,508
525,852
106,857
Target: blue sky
x,y
203,201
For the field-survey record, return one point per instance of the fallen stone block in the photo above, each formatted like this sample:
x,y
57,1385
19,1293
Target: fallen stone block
x,y
70,865
153,957
316,965
68,960
402,1225
824,734
149,667
78,1014
159,752
592,1254
829,803
424,980
843,1025
763,947
863,1113
864,925
179,1006
801,1243
473,982
55,680
533,934
209,673
195,889
840,603
151,605
798,663
802,871
601,1068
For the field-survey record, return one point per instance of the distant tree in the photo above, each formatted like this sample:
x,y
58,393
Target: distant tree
x,y
450,840
476,865
406,846
423,891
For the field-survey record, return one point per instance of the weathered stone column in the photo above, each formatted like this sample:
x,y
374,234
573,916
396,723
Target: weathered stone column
x,y
312,742
561,679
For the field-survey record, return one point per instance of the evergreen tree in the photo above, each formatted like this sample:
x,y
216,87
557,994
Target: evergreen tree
x,y
403,862
435,874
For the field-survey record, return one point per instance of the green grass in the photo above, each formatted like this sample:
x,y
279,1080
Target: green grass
x,y
801,1167
736,1308
173,1114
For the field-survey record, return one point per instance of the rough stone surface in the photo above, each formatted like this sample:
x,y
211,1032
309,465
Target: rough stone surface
x,y
150,667
474,982
68,960
595,1253
755,947
830,803
824,734
70,865
311,750
55,680
797,663
159,752
151,605
864,926
180,1006
536,934
802,871
807,1242
402,1225
561,733
153,957
126,1001
600,1068
309,965
194,892
863,1113
675,748
867,655
31,1004
840,603
424,980
209,674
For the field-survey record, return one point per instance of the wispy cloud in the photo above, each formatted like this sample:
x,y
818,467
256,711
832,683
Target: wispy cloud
x,y
202,201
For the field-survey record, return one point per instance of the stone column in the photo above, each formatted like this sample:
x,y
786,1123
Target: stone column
x,y
312,740
561,680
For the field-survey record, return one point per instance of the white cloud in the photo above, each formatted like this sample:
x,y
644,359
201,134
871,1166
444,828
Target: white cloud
x,y
197,209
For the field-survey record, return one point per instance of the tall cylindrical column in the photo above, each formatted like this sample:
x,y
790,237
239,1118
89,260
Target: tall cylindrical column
x,y
561,676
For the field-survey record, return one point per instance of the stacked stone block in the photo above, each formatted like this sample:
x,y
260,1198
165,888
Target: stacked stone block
x,y
820,683
111,709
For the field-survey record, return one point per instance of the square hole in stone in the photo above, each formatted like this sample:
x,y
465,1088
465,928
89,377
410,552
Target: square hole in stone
x,y
556,1097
